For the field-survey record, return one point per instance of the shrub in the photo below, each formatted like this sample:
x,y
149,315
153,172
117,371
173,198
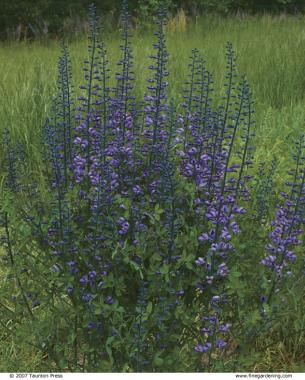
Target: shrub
x,y
128,256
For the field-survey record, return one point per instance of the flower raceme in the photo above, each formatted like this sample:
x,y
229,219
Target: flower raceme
x,y
287,227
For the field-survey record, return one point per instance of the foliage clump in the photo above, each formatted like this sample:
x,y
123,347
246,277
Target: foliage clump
x,y
133,255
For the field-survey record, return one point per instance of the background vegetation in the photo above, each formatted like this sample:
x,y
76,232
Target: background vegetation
x,y
27,18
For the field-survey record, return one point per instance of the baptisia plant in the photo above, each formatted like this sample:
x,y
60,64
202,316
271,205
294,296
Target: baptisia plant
x,y
135,228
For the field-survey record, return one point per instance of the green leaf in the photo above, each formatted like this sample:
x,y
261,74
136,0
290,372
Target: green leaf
x,y
157,360
109,347
254,317
164,269
149,307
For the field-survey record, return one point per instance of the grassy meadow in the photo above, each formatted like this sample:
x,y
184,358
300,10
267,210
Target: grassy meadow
x,y
270,52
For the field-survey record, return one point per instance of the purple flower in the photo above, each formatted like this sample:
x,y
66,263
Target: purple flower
x,y
70,289
35,303
92,274
84,280
137,190
209,279
100,284
124,226
200,261
225,235
192,151
216,298
204,237
109,300
87,297
91,325
203,347
221,343
262,299
269,261
224,328
223,270
148,120
208,266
